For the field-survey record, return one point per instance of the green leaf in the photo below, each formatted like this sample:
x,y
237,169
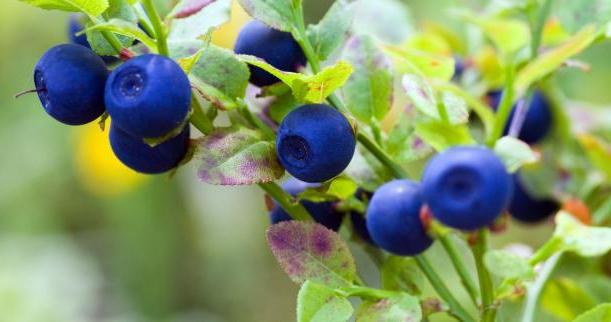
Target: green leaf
x,y
565,299
508,35
508,265
575,14
403,307
282,105
389,21
597,151
581,239
236,156
339,188
421,95
125,28
600,313
441,135
333,29
549,61
367,171
196,25
276,13
402,273
310,251
308,88
318,303
123,11
90,7
220,68
213,95
514,153
404,144
188,8
408,60
369,91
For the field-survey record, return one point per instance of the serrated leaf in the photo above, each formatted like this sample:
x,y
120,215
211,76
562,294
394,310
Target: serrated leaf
x,y
333,29
514,153
600,313
505,264
125,28
369,91
549,61
90,7
581,239
308,88
387,20
198,24
276,13
236,156
442,135
565,299
318,303
403,307
310,251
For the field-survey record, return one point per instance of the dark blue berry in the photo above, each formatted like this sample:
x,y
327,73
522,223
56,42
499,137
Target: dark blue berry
x,y
315,143
323,213
459,67
148,96
393,218
359,223
277,48
538,119
141,157
527,208
466,187
69,80
75,26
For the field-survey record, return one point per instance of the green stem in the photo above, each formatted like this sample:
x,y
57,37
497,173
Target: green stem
x,y
366,292
537,29
255,121
286,201
485,282
146,26
505,106
534,291
459,264
546,251
109,36
160,34
381,155
199,119
455,308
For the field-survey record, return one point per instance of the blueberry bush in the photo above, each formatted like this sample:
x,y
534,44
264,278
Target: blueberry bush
x,y
393,139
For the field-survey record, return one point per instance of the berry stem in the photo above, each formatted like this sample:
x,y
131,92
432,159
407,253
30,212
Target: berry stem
x,y
455,308
160,34
485,282
29,91
459,264
198,118
286,201
534,291
381,155
505,106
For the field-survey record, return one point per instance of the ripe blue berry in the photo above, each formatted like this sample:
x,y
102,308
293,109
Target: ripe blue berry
x,y
315,143
148,96
393,218
323,213
466,187
527,208
537,121
277,48
69,80
141,157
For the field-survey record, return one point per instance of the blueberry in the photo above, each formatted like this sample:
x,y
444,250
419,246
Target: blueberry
x,y
527,208
323,213
538,119
69,80
466,187
141,157
75,26
393,218
315,143
277,48
148,96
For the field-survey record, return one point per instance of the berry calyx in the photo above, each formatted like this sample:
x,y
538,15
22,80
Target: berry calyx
x,y
148,96
315,143
466,187
393,218
69,80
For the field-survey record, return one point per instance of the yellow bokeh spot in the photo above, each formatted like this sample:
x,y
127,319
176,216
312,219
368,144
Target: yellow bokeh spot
x,y
98,169
488,63
225,35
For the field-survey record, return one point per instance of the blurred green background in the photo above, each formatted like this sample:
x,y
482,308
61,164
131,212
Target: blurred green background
x,y
73,247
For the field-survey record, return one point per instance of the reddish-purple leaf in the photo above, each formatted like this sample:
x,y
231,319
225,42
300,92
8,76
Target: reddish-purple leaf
x,y
191,7
310,251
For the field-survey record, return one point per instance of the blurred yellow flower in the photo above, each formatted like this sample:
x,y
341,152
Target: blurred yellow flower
x,y
98,169
225,36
